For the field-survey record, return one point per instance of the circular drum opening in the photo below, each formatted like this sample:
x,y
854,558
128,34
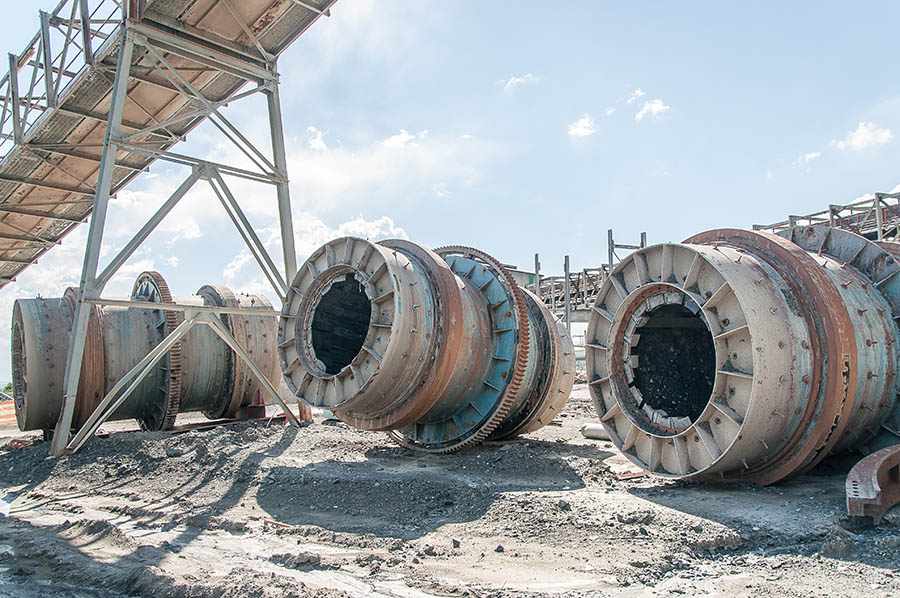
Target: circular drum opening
x,y
340,324
676,362
20,382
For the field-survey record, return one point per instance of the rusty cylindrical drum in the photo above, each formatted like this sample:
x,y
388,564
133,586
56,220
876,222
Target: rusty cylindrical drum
x,y
200,373
746,355
439,348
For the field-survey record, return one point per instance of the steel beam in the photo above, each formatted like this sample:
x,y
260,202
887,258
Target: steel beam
x,y
88,286
248,234
137,148
14,97
46,184
184,308
47,59
219,328
85,14
62,151
201,52
134,377
15,209
29,238
148,228
279,155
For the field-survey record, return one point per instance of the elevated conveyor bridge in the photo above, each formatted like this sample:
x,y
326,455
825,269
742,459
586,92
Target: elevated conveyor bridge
x,y
103,90
193,57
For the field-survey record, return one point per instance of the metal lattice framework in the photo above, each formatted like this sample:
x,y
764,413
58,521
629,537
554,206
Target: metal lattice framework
x,y
571,295
877,218
103,90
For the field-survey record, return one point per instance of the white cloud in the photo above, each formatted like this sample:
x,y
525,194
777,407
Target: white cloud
x,y
387,172
513,82
315,139
867,134
635,96
609,111
440,190
404,139
807,158
652,108
583,127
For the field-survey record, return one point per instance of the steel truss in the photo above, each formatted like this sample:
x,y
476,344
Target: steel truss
x,y
877,218
153,141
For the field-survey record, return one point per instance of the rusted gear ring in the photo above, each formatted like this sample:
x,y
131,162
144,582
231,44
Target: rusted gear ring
x,y
159,293
520,360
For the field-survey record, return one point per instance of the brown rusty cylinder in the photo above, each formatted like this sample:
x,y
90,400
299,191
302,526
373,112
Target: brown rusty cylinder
x,y
439,348
746,355
200,373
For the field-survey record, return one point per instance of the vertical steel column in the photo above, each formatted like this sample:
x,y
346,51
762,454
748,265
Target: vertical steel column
x,y
612,249
879,222
643,240
47,59
279,155
568,295
14,98
88,287
537,276
86,32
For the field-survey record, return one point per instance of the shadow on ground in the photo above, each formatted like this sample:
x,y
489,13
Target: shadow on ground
x,y
804,515
402,494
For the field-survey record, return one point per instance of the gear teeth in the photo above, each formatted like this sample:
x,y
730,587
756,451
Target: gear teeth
x,y
172,319
514,386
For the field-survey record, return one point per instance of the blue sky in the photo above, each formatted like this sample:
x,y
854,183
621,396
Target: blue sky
x,y
520,129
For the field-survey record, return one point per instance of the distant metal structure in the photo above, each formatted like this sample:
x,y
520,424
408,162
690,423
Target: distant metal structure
x,y
102,91
571,295
876,218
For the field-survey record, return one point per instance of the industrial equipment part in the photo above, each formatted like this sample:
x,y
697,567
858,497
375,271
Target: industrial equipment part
x,y
199,373
103,90
439,348
745,355
873,485
594,431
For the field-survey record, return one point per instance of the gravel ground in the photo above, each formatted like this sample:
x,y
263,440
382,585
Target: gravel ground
x,y
256,510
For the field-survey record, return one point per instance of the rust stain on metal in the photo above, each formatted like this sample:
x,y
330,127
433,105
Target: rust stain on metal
x,y
873,485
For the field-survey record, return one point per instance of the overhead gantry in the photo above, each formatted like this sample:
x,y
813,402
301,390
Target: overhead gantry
x,y
101,92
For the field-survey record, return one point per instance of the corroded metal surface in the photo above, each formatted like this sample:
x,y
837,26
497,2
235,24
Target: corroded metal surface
x,y
436,347
201,374
873,485
802,352
152,287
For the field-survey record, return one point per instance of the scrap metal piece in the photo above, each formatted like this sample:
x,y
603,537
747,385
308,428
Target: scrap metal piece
x,y
873,485
594,431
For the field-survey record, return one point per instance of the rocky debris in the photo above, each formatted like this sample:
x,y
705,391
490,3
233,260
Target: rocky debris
x,y
838,543
636,517
297,560
146,511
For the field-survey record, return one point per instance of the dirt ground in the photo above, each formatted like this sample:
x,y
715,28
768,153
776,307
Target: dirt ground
x,y
261,510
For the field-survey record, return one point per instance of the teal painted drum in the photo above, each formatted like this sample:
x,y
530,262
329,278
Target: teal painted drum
x,y
441,349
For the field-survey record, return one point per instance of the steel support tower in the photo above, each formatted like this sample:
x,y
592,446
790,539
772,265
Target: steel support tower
x,y
102,91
